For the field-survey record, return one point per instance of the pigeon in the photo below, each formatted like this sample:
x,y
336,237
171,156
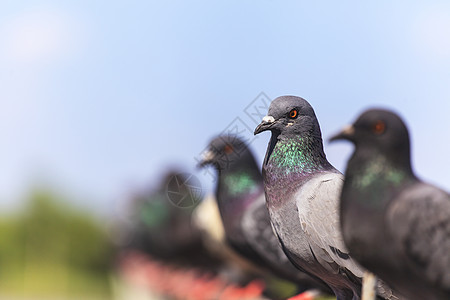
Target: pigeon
x,y
166,232
241,202
206,217
394,224
166,248
302,192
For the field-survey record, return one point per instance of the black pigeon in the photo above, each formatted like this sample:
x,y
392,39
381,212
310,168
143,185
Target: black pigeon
x,y
302,192
165,231
241,201
394,224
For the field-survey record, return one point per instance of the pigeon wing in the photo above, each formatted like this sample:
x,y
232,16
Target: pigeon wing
x,y
419,221
318,211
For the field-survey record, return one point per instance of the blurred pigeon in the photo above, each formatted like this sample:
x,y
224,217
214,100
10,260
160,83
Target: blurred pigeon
x,y
302,192
393,223
241,201
166,248
207,217
165,231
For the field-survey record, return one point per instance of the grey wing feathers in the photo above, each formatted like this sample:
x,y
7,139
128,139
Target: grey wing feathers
x,y
419,221
318,210
386,292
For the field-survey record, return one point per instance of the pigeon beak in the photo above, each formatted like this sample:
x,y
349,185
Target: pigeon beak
x,y
207,158
346,133
265,124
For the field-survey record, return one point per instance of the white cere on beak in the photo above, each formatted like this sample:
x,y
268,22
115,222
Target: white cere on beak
x,y
348,130
208,155
268,119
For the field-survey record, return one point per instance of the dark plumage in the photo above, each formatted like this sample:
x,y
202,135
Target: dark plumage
x,y
302,193
165,231
393,223
241,201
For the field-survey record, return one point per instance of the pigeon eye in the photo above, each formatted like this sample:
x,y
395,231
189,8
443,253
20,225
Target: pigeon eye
x,y
379,127
293,113
228,149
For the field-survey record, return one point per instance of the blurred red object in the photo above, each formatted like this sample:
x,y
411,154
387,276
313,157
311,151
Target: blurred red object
x,y
183,283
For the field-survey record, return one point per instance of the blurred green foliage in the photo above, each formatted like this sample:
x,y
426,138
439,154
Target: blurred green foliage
x,y
51,249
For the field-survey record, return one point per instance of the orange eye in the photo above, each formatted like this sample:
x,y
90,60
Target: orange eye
x,y
379,127
228,149
293,114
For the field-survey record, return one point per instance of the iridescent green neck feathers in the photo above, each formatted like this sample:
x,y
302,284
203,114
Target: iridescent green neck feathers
x,y
299,155
239,183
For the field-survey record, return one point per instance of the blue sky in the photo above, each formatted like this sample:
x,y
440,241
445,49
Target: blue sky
x,y
99,98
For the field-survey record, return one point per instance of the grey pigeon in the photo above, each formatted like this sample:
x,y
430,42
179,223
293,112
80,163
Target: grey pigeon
x,y
241,202
302,193
394,224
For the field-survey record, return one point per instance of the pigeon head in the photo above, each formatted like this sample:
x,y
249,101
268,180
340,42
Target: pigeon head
x,y
288,116
224,152
381,131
